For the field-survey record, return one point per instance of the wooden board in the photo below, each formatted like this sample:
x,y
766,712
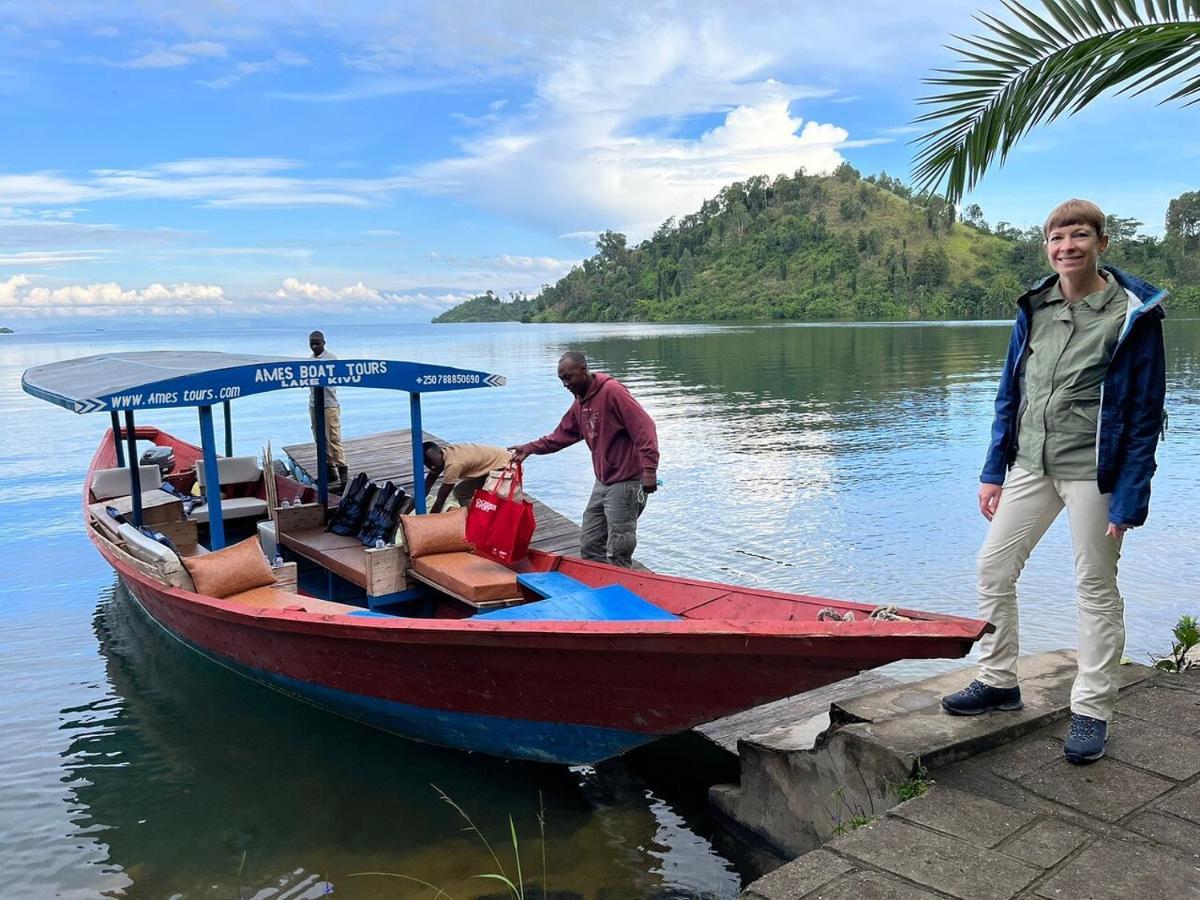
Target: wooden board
x,y
387,456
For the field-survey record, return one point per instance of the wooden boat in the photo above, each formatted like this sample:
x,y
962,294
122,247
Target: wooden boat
x,y
509,682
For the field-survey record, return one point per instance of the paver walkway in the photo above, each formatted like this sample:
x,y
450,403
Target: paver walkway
x,y
1020,822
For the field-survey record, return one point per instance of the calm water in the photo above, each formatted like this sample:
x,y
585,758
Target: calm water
x,y
839,460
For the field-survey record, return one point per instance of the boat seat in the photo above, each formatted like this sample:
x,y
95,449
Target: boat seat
x,y
342,554
233,508
613,603
547,584
470,578
231,470
109,483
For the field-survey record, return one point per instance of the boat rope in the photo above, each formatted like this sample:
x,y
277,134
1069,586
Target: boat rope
x,y
829,614
887,614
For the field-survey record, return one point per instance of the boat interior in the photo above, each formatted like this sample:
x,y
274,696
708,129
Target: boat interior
x,y
422,568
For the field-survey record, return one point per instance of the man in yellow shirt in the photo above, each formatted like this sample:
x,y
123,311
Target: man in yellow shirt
x,y
463,467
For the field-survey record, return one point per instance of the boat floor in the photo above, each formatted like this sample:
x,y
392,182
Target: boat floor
x,y
387,456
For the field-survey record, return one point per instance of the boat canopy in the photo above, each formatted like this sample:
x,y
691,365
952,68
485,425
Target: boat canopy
x,y
167,379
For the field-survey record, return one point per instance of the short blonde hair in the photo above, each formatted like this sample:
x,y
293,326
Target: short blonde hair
x,y
1075,212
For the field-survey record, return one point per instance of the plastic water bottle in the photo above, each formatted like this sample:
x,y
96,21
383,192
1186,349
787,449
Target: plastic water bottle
x,y
278,559
379,544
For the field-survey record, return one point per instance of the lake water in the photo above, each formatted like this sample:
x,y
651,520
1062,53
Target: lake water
x,y
839,460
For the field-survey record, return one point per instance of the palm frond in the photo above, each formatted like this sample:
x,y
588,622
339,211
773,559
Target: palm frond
x,y
1022,73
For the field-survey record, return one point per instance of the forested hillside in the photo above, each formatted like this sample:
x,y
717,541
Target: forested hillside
x,y
830,247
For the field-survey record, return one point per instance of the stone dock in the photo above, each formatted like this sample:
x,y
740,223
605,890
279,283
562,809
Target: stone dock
x,y
1002,814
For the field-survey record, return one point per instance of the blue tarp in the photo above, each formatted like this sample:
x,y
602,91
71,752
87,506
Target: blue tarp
x,y
607,604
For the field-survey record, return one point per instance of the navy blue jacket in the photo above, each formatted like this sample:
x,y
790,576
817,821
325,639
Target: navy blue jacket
x,y
1131,401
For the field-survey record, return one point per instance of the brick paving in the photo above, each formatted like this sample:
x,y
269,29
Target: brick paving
x,y
1018,821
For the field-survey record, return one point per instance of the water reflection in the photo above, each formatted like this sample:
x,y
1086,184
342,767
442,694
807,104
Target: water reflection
x,y
197,782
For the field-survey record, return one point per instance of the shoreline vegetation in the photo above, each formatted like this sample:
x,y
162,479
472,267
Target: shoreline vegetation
x,y
832,247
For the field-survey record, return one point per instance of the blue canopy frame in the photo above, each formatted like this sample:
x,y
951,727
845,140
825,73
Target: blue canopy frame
x,y
131,382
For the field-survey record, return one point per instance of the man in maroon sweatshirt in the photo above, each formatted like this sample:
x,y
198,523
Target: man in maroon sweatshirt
x,y
624,445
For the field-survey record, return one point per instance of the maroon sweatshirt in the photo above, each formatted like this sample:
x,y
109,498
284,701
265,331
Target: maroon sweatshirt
x,y
618,431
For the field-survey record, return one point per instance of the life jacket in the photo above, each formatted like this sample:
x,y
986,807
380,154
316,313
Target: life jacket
x,y
354,506
384,516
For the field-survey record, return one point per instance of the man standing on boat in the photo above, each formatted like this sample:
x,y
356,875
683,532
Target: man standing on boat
x,y
624,445
338,471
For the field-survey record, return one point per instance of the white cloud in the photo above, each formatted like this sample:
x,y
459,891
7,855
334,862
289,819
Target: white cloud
x,y
27,258
247,68
360,296
178,55
570,170
22,296
603,139
42,188
217,181
295,289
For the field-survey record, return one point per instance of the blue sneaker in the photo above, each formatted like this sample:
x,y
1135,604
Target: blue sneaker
x,y
978,698
1085,739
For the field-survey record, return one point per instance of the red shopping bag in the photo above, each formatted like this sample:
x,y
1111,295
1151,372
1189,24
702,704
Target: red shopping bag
x,y
500,526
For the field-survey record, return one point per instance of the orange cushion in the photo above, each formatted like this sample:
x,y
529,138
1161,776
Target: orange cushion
x,y
273,598
443,532
230,570
473,578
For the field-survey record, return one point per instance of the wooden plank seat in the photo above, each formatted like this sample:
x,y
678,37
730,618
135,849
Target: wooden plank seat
x,y
274,598
344,555
472,579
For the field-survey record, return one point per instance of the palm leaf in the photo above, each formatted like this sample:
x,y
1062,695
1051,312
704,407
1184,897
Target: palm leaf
x,y
1028,72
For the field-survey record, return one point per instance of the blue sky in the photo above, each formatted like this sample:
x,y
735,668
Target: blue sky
x,y
167,157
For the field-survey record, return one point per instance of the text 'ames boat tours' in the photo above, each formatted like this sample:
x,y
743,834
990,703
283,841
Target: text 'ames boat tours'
x,y
553,658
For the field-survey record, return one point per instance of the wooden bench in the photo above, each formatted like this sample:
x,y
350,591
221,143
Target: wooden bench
x,y
381,572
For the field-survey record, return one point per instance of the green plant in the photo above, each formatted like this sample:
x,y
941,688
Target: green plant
x,y
915,784
515,888
1187,636
1014,77
851,824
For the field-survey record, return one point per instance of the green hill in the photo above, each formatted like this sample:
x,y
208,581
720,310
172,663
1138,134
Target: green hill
x,y
489,308
824,247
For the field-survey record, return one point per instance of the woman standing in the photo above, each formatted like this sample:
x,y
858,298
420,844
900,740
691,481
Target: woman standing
x,y
1078,416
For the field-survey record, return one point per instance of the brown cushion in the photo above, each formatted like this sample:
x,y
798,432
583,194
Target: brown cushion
x,y
230,570
473,578
274,598
443,532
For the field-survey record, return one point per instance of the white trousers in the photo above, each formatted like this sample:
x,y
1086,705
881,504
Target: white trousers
x,y
1028,506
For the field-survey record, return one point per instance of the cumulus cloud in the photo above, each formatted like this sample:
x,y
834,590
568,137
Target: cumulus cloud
x,y
360,296
22,296
633,183
602,144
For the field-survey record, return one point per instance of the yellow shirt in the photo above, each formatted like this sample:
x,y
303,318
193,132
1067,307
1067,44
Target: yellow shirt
x,y
472,461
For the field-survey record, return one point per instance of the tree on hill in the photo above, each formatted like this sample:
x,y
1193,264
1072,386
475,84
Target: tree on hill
x,y
781,249
1012,78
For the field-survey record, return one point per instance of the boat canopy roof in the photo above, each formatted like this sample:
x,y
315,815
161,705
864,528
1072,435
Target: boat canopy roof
x,y
166,379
